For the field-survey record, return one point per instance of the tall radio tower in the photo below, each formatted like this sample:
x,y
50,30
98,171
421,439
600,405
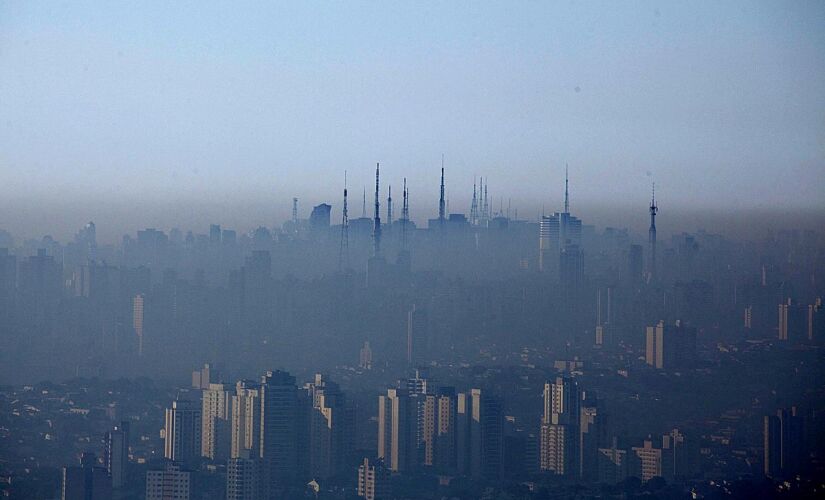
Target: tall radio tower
x,y
343,252
376,228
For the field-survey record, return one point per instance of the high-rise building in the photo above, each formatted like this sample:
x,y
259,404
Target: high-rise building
x,y
439,433
783,443
331,428
592,436
555,232
397,429
86,481
283,428
182,432
243,478
646,461
417,332
560,427
670,346
612,464
116,453
373,481
794,324
480,439
319,219
170,483
365,356
216,436
246,420
137,320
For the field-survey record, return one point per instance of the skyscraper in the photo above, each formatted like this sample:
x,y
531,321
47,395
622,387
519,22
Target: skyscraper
x,y
397,425
480,440
555,232
85,482
137,320
373,481
182,432
116,453
246,420
283,427
783,445
216,435
670,346
560,427
170,483
331,428
243,478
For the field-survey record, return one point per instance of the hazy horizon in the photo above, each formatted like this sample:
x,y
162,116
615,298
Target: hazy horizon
x,y
720,104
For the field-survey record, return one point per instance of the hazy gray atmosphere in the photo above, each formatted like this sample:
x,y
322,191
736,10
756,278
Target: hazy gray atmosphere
x,y
116,107
412,250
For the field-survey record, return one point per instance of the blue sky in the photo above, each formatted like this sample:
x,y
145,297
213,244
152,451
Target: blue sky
x,y
722,103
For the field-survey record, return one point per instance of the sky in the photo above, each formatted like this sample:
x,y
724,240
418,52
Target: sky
x,y
164,113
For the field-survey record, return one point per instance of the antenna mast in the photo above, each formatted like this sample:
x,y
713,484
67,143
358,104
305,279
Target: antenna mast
x,y
566,197
376,228
343,252
389,206
441,199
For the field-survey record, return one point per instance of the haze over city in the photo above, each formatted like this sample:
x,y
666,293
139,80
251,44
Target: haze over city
x,y
412,250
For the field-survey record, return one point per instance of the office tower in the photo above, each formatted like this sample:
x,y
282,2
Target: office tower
x,y
373,481
243,478
605,321
283,420
397,427
592,435
246,419
439,432
182,432
170,483
793,322
612,464
480,441
647,461
215,417
571,277
137,320
560,427
205,376
680,459
85,482
654,345
783,443
116,453
417,384
651,241
670,346
555,233
319,219
214,234
332,428
417,332
635,263
365,356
